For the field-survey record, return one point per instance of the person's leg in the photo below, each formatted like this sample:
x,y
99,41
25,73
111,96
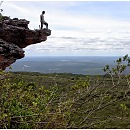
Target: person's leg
x,y
46,25
41,25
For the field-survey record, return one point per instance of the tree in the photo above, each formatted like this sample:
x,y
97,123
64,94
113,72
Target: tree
x,y
1,10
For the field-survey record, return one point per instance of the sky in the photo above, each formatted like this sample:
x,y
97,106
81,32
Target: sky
x,y
79,28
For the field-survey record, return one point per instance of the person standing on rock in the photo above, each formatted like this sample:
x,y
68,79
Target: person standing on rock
x,y
43,21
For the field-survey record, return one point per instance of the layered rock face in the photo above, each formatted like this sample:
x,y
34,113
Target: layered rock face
x,y
14,36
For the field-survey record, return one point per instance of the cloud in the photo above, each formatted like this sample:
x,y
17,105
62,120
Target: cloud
x,y
73,32
75,45
58,17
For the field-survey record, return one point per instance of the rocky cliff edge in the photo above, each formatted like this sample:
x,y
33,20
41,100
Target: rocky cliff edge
x,y
14,36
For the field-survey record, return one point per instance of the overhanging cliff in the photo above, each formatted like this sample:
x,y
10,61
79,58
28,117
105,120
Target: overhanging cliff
x,y
14,36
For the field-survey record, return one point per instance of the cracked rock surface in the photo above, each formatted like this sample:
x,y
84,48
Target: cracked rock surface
x,y
14,36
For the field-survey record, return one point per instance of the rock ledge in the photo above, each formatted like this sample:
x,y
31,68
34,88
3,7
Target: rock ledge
x,y
15,35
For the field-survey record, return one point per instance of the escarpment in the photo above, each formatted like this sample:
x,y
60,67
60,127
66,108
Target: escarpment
x,y
14,36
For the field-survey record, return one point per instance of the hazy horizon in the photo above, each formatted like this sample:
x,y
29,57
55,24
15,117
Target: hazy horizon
x,y
89,65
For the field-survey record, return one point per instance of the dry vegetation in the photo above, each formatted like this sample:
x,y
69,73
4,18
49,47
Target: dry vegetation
x,y
34,100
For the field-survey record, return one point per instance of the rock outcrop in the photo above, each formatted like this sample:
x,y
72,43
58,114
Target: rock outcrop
x,y
14,36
